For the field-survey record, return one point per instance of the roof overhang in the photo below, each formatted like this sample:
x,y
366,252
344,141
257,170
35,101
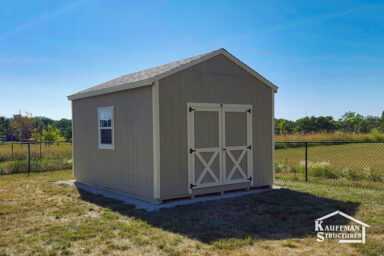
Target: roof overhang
x,y
151,80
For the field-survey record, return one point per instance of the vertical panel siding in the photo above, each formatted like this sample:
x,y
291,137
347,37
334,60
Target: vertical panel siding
x,y
129,167
217,80
206,129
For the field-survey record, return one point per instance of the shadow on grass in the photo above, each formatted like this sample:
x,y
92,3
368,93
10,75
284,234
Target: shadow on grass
x,y
274,215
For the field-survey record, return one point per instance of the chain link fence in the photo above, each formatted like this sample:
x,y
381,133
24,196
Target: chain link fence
x,y
347,163
26,157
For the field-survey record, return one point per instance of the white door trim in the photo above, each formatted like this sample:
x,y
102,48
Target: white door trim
x,y
194,153
247,149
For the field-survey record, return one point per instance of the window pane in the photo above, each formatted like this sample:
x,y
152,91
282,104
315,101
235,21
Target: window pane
x,y
105,118
106,136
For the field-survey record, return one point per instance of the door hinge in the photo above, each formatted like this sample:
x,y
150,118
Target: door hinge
x,y
249,111
249,147
191,151
191,109
250,178
192,186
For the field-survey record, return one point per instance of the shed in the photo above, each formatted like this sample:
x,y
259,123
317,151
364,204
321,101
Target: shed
x,y
195,126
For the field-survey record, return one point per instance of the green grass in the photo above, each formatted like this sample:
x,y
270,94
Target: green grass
x,y
360,164
40,217
19,166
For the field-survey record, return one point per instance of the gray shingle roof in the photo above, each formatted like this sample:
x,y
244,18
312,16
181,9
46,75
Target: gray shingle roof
x,y
148,76
142,75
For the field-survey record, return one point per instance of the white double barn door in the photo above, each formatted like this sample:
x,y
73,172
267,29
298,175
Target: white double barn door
x,y
219,144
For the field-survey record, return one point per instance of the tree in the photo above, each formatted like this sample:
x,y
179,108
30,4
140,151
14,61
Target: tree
x,y
65,125
305,124
4,128
22,126
43,122
289,126
52,134
36,135
282,126
369,123
354,123
381,128
68,133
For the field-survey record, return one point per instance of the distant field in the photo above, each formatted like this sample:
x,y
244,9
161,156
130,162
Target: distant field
x,y
336,136
360,163
48,151
55,156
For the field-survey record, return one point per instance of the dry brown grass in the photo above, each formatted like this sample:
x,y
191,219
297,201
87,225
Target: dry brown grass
x,y
332,136
44,157
39,217
48,151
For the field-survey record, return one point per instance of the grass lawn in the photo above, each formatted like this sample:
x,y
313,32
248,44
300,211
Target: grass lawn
x,y
39,217
362,163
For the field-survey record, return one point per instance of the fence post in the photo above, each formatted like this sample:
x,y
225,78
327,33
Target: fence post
x,y
29,157
40,149
306,161
12,150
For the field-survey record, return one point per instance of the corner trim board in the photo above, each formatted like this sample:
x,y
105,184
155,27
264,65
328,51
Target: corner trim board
x,y
273,136
73,142
156,139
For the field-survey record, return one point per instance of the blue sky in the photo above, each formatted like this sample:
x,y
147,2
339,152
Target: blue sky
x,y
327,57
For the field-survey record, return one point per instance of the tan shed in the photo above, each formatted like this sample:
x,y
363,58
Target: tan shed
x,y
195,126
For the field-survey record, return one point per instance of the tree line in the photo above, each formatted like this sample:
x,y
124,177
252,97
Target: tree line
x,y
350,122
25,127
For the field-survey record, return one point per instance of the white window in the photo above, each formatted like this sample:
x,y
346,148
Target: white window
x,y
105,124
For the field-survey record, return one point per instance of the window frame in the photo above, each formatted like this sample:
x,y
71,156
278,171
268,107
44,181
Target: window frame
x,y
106,146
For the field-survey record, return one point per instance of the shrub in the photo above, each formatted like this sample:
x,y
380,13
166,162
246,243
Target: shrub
x,y
374,175
376,135
15,166
319,169
352,174
278,167
285,164
297,169
323,171
21,166
293,169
